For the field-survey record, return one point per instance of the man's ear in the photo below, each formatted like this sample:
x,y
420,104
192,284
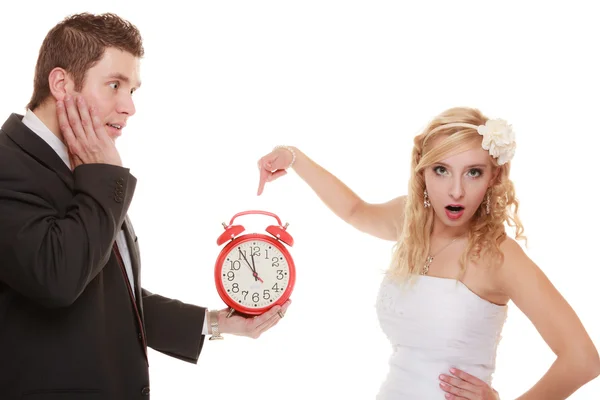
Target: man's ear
x,y
60,83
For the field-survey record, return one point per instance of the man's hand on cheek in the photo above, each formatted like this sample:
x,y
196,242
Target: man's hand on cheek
x,y
84,133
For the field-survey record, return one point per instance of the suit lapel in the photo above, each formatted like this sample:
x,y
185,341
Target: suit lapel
x,y
134,254
37,148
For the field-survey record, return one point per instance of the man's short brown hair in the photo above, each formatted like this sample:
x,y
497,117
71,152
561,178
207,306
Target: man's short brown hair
x,y
76,44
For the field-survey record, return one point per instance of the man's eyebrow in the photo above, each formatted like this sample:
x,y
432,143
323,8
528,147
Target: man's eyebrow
x,y
123,78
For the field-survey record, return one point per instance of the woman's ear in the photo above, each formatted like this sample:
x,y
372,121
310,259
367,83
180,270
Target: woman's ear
x,y
60,83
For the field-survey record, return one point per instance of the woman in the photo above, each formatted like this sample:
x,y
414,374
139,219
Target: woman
x,y
443,301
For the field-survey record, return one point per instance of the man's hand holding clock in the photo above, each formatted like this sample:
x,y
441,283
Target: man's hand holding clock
x,y
251,327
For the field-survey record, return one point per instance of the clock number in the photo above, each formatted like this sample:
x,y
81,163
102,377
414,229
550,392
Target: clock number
x,y
266,254
245,293
235,265
240,255
266,294
279,274
255,297
235,288
230,276
276,287
255,251
275,262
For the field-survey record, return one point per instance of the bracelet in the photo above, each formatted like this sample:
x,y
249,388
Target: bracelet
x,y
288,148
213,322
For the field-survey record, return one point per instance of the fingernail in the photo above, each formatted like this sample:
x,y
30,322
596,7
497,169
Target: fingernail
x,y
453,370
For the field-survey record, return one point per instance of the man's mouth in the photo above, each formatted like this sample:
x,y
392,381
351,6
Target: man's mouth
x,y
116,126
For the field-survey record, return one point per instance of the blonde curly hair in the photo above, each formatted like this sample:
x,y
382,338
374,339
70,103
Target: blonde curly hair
x,y
487,231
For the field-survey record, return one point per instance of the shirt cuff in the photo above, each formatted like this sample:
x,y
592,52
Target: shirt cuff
x,y
205,324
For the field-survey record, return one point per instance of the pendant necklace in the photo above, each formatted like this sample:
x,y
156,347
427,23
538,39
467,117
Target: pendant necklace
x,y
429,259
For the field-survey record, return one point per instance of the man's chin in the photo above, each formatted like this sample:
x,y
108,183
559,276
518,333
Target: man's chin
x,y
114,133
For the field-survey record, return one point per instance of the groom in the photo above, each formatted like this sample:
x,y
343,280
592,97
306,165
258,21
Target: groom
x,y
75,322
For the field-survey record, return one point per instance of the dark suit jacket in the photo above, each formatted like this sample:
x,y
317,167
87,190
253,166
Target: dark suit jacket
x,y
69,327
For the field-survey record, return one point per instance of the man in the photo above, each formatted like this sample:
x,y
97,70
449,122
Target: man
x,y
74,320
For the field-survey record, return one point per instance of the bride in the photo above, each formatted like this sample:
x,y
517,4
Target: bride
x,y
443,301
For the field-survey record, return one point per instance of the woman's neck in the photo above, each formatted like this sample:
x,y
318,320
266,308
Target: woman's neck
x,y
441,230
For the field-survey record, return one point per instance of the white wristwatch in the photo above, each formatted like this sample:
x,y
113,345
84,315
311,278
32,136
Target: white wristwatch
x,y
213,323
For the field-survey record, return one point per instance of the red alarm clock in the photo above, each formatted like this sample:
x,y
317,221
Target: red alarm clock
x,y
254,271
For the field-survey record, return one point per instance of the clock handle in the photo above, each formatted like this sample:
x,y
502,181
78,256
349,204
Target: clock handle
x,y
279,231
255,212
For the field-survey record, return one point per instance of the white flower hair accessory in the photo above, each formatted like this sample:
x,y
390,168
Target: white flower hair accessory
x,y
498,139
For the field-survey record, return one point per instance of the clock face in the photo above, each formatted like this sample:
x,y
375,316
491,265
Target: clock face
x,y
255,273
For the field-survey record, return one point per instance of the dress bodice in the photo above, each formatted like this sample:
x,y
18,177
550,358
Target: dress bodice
x,y
434,325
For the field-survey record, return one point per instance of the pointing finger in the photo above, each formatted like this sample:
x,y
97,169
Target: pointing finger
x,y
263,178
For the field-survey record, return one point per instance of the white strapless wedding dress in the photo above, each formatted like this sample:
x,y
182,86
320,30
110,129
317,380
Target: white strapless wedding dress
x,y
435,325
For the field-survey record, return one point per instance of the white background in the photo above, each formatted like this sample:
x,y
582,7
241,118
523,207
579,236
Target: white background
x,y
350,83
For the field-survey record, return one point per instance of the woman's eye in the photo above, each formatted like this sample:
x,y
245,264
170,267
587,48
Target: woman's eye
x,y
114,85
474,173
439,170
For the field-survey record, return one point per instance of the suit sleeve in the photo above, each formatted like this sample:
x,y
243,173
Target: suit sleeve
x,y
172,327
50,256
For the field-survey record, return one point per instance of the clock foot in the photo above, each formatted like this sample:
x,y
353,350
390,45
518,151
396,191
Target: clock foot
x,y
230,313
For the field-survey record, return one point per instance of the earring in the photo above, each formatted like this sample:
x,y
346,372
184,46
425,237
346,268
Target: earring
x,y
426,202
487,203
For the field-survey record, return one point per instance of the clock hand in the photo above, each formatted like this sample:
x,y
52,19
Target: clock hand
x,y
255,273
247,263
256,277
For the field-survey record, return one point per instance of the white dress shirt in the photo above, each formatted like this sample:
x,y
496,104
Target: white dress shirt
x,y
31,121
